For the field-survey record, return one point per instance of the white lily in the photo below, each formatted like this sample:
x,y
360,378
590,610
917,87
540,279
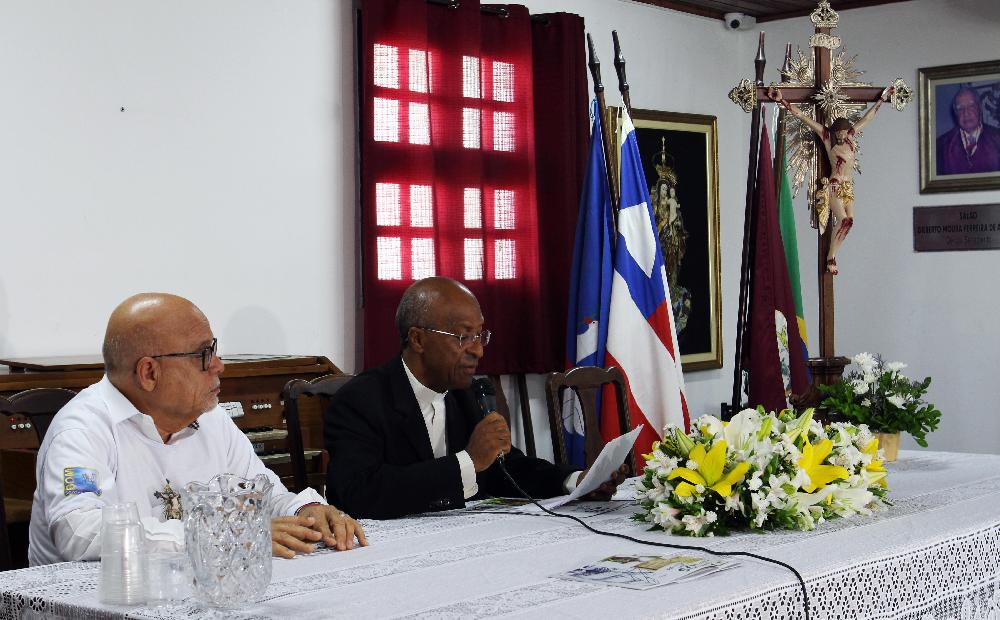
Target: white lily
x,y
741,429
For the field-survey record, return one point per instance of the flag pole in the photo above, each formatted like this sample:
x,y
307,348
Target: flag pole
x,y
595,72
620,70
749,226
779,126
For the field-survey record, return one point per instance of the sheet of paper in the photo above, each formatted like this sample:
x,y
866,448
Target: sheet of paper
x,y
641,572
626,490
609,460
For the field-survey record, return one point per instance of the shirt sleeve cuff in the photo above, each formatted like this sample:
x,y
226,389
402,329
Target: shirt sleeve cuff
x,y
290,504
469,485
569,485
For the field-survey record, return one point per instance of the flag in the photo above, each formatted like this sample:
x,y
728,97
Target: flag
x,y
787,219
590,285
642,338
775,352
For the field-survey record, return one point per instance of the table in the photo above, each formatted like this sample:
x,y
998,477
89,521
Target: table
x,y
934,554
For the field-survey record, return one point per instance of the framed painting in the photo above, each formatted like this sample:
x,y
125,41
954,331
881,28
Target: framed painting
x,y
960,127
680,157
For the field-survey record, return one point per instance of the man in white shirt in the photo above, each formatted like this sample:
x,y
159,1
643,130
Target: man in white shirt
x,y
149,427
408,437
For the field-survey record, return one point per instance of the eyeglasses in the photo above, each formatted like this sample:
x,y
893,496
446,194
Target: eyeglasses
x,y
464,340
206,354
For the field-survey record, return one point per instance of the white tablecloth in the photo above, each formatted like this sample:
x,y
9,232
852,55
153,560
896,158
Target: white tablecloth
x,y
934,554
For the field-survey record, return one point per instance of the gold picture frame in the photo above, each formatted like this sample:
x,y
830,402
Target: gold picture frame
x,y
941,143
680,156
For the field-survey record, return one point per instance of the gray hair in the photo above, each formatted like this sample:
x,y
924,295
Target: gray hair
x,y
413,310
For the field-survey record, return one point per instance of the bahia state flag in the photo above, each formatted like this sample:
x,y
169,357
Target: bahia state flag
x,y
642,338
590,285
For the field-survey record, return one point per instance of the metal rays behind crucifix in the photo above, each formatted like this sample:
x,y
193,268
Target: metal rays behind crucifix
x,y
800,145
829,97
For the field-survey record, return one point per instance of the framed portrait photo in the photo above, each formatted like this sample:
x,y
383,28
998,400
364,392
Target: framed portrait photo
x,y
960,127
680,157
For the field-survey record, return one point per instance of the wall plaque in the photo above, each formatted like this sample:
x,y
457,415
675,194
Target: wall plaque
x,y
962,227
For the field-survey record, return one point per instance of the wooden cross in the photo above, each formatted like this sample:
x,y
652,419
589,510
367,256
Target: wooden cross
x,y
828,367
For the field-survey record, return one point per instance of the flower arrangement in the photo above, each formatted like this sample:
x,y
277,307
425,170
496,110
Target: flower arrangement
x,y
760,471
879,395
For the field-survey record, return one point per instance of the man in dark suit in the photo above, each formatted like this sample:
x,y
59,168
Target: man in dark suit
x,y
409,437
971,146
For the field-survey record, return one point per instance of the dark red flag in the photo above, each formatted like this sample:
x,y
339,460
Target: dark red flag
x,y
775,348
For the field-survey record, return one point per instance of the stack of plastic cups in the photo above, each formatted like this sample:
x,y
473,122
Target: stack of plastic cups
x,y
122,555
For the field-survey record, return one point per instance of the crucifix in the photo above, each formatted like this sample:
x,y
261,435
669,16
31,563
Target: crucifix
x,y
824,89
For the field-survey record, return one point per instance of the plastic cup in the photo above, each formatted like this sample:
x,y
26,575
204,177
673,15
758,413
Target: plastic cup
x,y
122,555
126,512
169,578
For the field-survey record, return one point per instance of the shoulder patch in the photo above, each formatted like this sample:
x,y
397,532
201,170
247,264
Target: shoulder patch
x,y
77,480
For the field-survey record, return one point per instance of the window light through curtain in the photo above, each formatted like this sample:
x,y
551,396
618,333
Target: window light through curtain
x,y
448,172
448,168
405,248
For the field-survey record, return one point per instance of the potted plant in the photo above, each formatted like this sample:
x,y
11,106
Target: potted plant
x,y
879,395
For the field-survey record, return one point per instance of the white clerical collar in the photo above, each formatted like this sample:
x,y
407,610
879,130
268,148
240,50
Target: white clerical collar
x,y
425,396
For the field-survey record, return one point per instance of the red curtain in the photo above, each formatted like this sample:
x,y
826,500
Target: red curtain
x,y
450,184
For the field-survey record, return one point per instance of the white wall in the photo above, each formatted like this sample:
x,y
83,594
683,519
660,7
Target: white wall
x,y
934,311
229,177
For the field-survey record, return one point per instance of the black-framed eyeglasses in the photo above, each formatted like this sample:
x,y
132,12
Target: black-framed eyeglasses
x,y
464,340
206,354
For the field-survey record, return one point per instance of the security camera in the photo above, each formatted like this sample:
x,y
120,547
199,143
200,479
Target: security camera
x,y
738,21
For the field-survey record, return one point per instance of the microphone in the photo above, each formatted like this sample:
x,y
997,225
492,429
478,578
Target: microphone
x,y
486,398
486,395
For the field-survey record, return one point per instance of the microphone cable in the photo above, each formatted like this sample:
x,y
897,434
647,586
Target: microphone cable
x,y
798,576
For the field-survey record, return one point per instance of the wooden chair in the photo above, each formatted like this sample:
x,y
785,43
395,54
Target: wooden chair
x,y
40,405
520,385
324,386
588,383
5,563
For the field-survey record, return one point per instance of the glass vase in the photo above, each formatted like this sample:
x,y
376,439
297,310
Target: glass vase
x,y
227,528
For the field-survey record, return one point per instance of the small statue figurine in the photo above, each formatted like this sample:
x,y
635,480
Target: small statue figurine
x,y
838,139
671,232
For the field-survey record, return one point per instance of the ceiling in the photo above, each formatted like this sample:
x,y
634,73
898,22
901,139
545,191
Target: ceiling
x,y
763,10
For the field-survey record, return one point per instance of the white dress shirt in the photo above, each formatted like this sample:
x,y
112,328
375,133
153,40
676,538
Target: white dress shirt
x,y
101,450
970,140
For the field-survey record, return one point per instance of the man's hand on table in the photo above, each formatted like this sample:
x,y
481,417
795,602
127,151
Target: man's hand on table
x,y
315,523
606,490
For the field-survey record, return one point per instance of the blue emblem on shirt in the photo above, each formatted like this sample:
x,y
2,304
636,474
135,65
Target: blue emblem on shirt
x,y
77,480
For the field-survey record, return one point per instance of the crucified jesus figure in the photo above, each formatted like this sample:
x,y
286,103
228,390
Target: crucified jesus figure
x,y
841,150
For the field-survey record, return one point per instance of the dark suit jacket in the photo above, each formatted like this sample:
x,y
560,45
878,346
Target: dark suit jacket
x,y
381,462
952,158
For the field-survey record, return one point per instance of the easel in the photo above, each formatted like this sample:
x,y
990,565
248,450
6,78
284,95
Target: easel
x,y
830,91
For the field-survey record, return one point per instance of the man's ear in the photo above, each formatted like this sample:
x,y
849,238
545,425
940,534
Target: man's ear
x,y
147,373
415,339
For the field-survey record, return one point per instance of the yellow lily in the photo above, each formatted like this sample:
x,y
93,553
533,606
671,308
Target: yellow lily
x,y
711,466
656,446
876,467
820,475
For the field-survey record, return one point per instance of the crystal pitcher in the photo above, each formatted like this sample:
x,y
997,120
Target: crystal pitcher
x,y
227,528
